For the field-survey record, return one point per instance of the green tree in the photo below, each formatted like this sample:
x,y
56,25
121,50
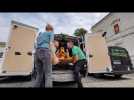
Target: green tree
x,y
81,33
64,36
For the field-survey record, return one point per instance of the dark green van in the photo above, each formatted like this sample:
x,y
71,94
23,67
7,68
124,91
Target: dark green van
x,y
120,61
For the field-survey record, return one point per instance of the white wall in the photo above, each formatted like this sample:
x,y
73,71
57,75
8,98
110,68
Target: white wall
x,y
105,25
126,21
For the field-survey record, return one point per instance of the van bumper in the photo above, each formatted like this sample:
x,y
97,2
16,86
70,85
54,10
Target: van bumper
x,y
63,76
123,72
116,72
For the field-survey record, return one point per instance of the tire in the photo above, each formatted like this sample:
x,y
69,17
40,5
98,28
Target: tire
x,y
118,76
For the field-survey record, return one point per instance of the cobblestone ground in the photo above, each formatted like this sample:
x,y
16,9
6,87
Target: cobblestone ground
x,y
90,81
109,81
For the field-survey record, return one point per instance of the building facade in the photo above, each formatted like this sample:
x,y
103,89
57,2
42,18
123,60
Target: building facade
x,y
120,30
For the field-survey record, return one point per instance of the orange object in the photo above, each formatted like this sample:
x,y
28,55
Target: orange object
x,y
61,53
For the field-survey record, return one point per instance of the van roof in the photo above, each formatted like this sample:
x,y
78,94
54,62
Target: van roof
x,y
25,25
60,36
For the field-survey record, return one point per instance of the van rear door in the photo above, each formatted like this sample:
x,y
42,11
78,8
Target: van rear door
x,y
18,59
97,53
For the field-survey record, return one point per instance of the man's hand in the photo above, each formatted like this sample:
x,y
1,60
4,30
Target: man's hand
x,y
61,59
65,60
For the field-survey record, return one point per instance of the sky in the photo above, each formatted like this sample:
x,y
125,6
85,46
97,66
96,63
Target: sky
x,y
62,22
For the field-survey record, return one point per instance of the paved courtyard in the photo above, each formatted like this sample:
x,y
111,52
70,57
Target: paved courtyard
x,y
89,82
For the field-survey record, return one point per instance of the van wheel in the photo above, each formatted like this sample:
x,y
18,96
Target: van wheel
x,y
118,76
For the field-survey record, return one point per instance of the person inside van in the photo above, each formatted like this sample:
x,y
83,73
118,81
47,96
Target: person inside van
x,y
57,46
60,51
42,59
61,54
78,59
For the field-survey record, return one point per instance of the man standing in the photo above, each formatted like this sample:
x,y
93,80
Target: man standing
x,y
79,60
42,58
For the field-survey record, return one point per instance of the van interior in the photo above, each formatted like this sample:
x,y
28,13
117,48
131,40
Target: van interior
x,y
63,44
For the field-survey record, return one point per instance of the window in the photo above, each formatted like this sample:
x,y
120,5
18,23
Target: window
x,y
116,28
119,52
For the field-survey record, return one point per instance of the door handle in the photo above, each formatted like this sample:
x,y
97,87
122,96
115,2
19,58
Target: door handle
x,y
29,53
17,53
90,55
9,47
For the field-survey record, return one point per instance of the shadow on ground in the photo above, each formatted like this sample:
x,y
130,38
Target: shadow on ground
x,y
27,82
108,77
14,79
65,84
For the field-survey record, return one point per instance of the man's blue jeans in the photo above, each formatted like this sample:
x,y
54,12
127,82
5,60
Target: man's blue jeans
x,y
43,68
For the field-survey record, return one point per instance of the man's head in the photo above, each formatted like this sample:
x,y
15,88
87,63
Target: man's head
x,y
70,44
49,28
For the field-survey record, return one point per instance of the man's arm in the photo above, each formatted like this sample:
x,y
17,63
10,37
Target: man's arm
x,y
36,40
52,37
75,58
51,42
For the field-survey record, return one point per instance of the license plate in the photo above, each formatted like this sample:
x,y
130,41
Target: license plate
x,y
117,62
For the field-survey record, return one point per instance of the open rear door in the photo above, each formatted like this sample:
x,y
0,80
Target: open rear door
x,y
18,58
97,53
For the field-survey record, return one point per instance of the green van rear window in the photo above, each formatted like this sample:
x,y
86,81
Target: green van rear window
x,y
119,52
